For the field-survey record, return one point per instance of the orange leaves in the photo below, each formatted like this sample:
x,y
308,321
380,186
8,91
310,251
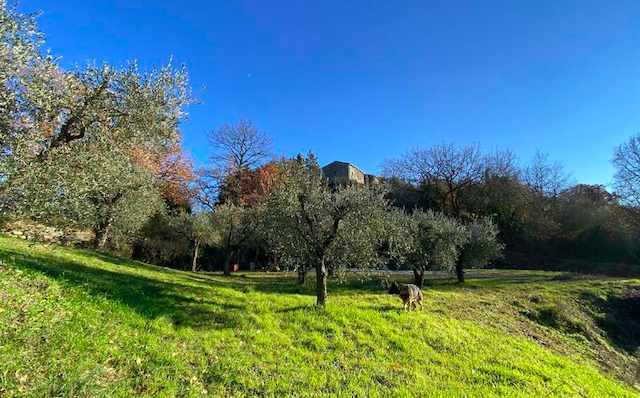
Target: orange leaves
x,y
250,187
172,169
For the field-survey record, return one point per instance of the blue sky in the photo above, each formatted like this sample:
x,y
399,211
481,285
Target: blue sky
x,y
361,81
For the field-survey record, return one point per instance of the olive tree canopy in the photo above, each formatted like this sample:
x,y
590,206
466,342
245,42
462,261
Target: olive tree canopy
x,y
432,240
68,138
307,222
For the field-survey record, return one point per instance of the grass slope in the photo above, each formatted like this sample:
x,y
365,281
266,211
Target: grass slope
x,y
77,323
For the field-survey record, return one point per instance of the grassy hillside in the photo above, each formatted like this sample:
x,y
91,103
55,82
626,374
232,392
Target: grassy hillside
x,y
82,324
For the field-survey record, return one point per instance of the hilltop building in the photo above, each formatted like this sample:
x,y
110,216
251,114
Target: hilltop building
x,y
337,172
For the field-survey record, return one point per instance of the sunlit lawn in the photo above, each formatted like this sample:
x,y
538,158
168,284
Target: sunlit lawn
x,y
76,323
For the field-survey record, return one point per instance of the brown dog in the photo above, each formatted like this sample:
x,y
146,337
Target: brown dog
x,y
410,294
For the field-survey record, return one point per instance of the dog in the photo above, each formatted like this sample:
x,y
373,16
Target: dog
x,y
410,294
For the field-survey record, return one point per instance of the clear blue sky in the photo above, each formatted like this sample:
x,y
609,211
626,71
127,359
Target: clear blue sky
x,y
361,81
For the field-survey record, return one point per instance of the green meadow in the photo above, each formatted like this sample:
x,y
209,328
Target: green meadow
x,y
76,323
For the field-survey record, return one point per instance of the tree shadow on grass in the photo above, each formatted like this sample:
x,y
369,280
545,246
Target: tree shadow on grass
x,y
377,285
334,287
184,305
353,285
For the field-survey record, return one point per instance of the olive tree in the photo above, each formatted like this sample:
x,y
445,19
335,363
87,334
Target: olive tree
x,y
309,222
480,247
67,137
98,188
432,240
31,85
199,229
235,226
295,257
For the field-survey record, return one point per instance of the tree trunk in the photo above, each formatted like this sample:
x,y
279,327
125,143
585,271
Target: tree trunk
x,y
302,275
100,239
227,263
104,223
459,270
418,277
321,286
194,262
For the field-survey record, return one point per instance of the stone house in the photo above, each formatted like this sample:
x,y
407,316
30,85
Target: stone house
x,y
337,172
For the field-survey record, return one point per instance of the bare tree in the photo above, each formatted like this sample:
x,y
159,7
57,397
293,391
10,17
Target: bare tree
x,y
546,178
626,160
236,148
207,186
502,163
453,170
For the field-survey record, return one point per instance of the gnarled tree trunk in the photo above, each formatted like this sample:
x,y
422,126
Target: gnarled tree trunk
x,y
302,275
101,231
227,262
459,270
194,262
418,277
321,283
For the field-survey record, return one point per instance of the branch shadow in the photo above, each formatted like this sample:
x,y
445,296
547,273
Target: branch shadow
x,y
184,305
377,285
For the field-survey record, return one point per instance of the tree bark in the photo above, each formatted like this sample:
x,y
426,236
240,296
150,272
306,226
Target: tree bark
x,y
321,285
302,275
194,262
227,263
100,238
459,270
102,229
418,277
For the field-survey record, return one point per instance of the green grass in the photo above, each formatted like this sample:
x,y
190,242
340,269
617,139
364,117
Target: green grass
x,y
77,323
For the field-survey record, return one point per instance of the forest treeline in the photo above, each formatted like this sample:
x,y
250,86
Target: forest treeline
x,y
100,148
546,219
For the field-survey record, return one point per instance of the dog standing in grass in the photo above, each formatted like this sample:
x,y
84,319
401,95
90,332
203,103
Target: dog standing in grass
x,y
410,294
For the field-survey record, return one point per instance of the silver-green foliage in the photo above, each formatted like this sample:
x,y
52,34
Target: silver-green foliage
x,y
308,223
169,238
434,240
234,224
482,244
67,136
24,71
105,192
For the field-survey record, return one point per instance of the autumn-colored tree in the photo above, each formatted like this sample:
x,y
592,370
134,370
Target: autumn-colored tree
x,y
172,170
250,187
